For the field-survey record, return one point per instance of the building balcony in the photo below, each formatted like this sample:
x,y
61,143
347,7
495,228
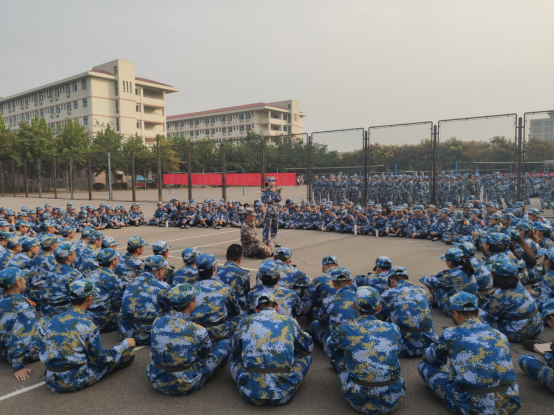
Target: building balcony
x,y
156,102
153,118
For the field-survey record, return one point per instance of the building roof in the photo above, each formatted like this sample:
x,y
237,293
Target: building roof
x,y
101,71
152,82
226,109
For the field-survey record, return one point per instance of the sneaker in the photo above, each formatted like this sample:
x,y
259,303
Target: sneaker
x,y
187,226
434,239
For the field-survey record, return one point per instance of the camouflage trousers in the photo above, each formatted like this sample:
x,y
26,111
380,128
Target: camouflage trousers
x,y
256,249
536,368
181,383
447,388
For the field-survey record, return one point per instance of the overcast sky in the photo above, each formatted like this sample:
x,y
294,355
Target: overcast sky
x,y
349,63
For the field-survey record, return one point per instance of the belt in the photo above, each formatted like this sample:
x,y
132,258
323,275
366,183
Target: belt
x,y
138,321
63,369
210,323
484,390
47,302
521,318
408,329
267,370
176,369
373,384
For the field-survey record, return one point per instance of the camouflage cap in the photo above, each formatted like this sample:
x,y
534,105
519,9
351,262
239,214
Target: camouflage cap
x,y
474,211
534,211
367,298
5,234
182,295
19,224
548,252
453,254
95,236
14,241
47,224
155,263
496,216
445,211
398,271
109,242
491,238
160,247
547,308
457,302
249,211
66,230
269,268
541,226
106,255
340,274
382,261
10,275
205,262
329,260
418,208
265,298
190,254
284,252
271,179
82,288
29,242
136,242
468,248
503,268
63,250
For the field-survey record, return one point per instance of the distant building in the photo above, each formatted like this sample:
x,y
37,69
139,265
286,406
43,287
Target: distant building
x,y
232,123
108,93
542,128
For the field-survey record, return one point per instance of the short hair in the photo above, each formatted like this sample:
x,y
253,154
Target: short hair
x,y
206,274
280,257
398,277
234,252
268,281
505,282
366,313
132,250
469,314
266,305
77,302
341,283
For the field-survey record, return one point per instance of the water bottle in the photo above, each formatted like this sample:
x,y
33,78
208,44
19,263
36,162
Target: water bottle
x,y
355,229
166,226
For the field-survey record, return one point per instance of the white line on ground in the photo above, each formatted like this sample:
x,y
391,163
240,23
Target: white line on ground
x,y
187,238
42,383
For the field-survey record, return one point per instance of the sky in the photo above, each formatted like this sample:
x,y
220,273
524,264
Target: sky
x,y
349,63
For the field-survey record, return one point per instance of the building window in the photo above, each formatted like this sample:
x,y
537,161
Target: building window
x,y
41,113
213,131
84,84
241,128
57,92
138,107
41,96
224,129
85,121
288,106
116,89
182,124
197,133
168,124
139,124
137,90
27,118
241,116
57,109
74,87
116,106
52,110
75,105
229,117
117,124
115,70
85,102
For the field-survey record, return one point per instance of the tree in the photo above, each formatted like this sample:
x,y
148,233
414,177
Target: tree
x,y
106,140
73,139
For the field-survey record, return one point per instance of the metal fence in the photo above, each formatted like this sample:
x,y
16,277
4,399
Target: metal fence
x,y
519,149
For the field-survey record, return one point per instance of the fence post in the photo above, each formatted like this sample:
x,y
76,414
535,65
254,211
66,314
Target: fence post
x,y
110,194
262,164
223,173
39,179
189,170
71,176
519,190
25,178
55,179
366,167
2,177
88,178
434,155
159,173
13,176
133,177
309,171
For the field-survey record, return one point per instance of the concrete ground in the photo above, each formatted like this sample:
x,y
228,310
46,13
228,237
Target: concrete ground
x,y
129,392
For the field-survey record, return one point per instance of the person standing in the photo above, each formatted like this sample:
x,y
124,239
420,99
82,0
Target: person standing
x,y
271,196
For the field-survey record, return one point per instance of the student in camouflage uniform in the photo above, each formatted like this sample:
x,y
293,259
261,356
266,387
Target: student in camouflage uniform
x,y
13,247
109,292
291,277
365,353
130,266
252,245
217,308
183,357
20,334
271,355
231,274
407,306
319,288
337,308
188,273
72,350
542,371
481,378
379,279
145,299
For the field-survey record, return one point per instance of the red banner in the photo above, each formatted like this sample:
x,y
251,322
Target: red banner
x,y
233,179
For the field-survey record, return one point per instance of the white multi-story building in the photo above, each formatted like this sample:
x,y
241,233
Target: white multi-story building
x,y
108,93
542,128
232,123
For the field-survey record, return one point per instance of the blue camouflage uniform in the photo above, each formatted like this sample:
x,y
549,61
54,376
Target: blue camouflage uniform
x,y
183,357
318,289
271,355
40,265
188,273
542,371
380,281
217,307
480,358
366,351
511,311
130,266
72,350
406,305
145,299
272,198
238,279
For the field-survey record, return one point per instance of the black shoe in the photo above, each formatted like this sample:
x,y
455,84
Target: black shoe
x,y
310,333
277,246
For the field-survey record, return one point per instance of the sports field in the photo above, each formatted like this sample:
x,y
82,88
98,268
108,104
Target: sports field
x,y
129,391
